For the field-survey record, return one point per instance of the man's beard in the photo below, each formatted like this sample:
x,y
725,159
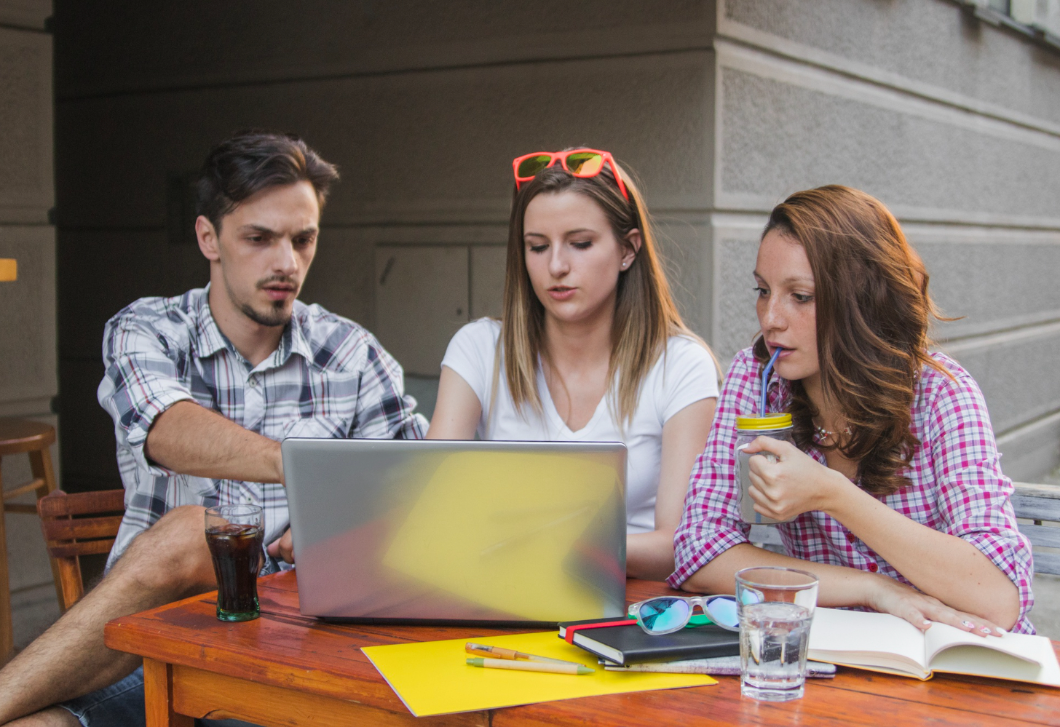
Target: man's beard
x,y
277,316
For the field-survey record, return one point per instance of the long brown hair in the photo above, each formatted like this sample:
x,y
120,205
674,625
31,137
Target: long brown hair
x,y
645,313
873,312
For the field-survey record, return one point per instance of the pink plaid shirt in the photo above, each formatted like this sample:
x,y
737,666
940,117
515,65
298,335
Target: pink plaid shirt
x,y
957,485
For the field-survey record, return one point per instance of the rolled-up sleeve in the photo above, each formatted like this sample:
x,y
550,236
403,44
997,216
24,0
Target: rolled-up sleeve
x,y
142,379
711,523
974,496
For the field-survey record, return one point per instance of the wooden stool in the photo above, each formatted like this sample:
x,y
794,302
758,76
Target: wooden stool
x,y
20,436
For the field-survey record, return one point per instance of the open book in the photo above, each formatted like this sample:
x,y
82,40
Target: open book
x,y
881,642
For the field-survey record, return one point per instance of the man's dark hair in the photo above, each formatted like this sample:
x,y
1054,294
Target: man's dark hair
x,y
251,161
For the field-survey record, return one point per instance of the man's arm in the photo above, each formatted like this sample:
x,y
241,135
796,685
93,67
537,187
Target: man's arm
x,y
193,440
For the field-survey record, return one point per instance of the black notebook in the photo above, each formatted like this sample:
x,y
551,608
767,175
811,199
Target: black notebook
x,y
629,644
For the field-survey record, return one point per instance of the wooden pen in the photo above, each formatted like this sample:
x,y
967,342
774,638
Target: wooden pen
x,y
530,666
498,652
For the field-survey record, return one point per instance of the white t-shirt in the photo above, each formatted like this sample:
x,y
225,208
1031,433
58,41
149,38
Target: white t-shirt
x,y
683,376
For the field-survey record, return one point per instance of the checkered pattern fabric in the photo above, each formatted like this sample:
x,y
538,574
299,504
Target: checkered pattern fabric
x,y
957,485
328,378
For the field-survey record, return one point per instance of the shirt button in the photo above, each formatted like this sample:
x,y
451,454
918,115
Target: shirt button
x,y
851,537
253,382
873,567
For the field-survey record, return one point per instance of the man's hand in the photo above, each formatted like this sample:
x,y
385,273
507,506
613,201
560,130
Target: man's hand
x,y
282,548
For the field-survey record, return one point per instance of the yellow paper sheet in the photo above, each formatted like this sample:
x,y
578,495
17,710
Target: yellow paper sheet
x,y
432,677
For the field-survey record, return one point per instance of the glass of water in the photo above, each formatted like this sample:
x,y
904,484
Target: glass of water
x,y
776,608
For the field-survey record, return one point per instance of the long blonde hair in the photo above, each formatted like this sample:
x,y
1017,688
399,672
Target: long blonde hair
x,y
645,313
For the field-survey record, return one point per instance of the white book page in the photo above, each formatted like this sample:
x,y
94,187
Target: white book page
x,y
942,636
1013,656
873,639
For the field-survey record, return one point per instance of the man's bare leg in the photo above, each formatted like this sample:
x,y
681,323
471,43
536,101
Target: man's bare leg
x,y
50,717
167,562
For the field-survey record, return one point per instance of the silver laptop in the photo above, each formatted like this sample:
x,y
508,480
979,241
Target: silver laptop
x,y
455,532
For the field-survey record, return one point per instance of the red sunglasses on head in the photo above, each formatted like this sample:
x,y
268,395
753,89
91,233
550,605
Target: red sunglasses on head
x,y
581,163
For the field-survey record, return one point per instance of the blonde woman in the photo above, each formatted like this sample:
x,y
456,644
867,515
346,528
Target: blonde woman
x,y
590,346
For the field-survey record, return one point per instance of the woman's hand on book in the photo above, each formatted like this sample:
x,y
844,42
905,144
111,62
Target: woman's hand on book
x,y
887,595
793,484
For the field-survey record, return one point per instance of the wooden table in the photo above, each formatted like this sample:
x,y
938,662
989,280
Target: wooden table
x,y
285,669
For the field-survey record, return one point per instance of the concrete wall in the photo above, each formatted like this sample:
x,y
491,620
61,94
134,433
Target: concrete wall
x,y
28,379
723,108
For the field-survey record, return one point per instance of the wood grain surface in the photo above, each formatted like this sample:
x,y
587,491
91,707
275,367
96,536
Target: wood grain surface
x,y
284,669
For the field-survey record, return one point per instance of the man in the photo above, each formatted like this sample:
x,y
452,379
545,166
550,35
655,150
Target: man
x,y
202,388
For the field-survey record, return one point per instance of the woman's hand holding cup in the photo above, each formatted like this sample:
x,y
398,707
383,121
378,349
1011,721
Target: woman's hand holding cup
x,y
785,482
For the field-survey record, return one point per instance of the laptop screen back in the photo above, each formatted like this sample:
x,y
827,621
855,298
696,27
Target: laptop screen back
x,y
489,532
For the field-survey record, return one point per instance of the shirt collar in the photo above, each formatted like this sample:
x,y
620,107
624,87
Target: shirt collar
x,y
211,340
295,336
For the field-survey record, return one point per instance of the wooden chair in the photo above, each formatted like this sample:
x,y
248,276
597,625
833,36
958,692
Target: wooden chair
x,y
1040,504
17,437
80,524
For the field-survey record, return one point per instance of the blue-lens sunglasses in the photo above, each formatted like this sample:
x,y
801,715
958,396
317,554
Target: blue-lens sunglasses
x,y
666,614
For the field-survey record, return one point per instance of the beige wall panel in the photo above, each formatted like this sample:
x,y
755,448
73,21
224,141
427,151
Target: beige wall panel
x,y
788,130
1031,451
421,300
27,326
413,148
342,278
992,279
1016,371
684,246
26,120
25,13
735,321
487,280
165,45
934,46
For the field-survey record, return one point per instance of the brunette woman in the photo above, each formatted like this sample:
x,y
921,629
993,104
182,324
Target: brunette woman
x,y
894,482
590,345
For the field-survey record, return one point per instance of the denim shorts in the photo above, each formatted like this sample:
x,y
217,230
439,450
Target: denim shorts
x,y
122,705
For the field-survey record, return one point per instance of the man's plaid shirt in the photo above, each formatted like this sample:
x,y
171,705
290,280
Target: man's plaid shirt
x,y
328,378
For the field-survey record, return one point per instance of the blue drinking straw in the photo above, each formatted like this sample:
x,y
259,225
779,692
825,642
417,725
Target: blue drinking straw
x,y
765,380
